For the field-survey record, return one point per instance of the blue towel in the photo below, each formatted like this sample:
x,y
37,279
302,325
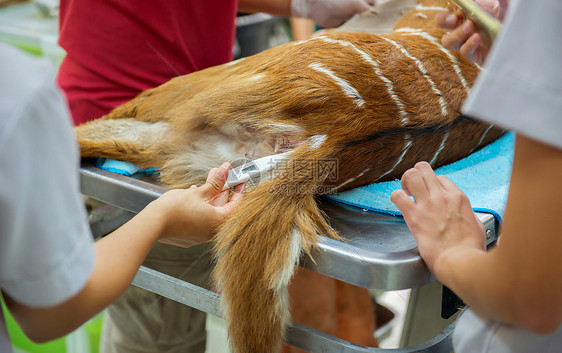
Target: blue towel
x,y
124,168
484,176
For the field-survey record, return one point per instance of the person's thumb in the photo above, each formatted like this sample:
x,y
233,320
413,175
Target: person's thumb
x,y
215,183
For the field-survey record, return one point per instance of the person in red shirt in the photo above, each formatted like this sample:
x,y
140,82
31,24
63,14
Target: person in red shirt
x,y
119,48
116,49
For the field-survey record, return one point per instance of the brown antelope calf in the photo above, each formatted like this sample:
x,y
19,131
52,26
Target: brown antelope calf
x,y
376,104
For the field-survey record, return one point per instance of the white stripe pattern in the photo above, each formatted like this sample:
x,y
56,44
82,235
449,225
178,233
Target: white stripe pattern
x,y
352,179
288,268
378,72
317,141
235,62
404,151
423,71
345,86
440,148
303,41
452,58
430,8
256,77
482,138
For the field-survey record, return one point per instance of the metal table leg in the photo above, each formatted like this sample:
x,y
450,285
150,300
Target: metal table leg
x,y
423,319
298,335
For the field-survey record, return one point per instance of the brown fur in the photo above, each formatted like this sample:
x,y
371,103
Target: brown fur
x,y
275,101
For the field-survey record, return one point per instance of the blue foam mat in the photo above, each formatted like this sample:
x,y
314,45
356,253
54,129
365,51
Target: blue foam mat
x,y
484,176
123,168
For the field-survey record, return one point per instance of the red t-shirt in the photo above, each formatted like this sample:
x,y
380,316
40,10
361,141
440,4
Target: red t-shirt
x,y
118,48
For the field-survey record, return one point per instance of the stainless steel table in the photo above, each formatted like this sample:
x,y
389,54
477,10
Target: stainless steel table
x,y
379,253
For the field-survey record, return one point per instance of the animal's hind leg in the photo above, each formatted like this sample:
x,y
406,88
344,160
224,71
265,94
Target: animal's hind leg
x,y
127,140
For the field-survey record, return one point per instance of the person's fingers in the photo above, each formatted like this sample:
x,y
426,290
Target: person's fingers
x,y
414,184
447,184
457,37
493,7
236,194
402,201
235,198
239,190
470,48
371,2
214,185
221,199
211,174
455,196
432,183
447,20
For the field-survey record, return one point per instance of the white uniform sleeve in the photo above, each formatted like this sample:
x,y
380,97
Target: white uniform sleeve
x,y
46,252
521,85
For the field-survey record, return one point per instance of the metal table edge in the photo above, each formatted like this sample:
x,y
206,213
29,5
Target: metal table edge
x,y
368,270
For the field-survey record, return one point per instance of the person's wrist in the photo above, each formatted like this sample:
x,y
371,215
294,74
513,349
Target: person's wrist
x,y
446,262
300,9
441,263
155,214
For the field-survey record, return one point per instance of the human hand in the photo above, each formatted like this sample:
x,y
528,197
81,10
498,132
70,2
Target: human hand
x,y
440,217
192,216
329,13
464,36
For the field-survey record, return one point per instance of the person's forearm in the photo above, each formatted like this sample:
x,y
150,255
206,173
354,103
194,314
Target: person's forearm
x,y
273,7
302,28
182,216
482,283
508,291
520,280
118,257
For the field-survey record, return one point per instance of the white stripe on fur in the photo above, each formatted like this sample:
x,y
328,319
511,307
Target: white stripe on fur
x,y
423,71
288,269
451,57
234,62
404,151
430,8
482,138
376,66
440,148
317,141
352,179
344,85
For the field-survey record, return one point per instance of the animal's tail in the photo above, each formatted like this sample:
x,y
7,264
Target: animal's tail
x,y
257,250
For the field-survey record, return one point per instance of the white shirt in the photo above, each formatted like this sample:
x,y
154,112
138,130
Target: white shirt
x,y
520,89
521,85
46,252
